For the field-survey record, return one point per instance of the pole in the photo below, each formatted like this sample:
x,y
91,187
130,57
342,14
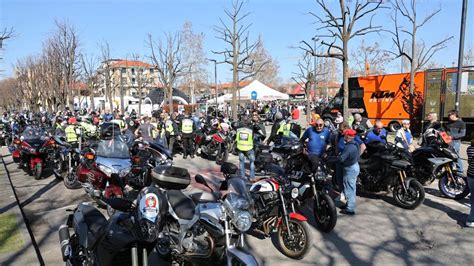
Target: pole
x,y
461,53
215,81
315,63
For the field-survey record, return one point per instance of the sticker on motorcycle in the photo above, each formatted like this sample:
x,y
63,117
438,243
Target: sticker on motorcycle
x,y
149,206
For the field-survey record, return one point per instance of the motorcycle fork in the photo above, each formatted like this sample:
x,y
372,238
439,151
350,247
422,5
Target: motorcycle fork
x,y
285,213
315,192
403,176
450,173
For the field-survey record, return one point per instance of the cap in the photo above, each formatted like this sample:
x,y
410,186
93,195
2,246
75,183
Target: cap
x,y
350,132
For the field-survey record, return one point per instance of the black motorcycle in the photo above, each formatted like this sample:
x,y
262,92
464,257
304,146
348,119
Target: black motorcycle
x,y
125,239
384,167
437,160
308,174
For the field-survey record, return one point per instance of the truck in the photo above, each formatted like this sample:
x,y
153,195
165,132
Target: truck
x,y
386,97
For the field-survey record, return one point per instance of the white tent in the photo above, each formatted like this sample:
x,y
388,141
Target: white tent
x,y
261,91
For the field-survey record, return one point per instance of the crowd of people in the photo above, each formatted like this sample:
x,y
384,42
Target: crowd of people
x,y
346,139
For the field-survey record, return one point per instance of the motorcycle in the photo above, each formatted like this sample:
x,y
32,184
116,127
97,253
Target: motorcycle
x,y
384,167
437,160
35,149
66,157
102,172
117,241
214,145
308,175
145,157
5,134
275,213
201,227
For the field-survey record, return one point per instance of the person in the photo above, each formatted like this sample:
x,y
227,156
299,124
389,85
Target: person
x,y
70,132
277,129
188,129
119,121
257,122
244,140
295,113
403,137
87,127
433,124
361,123
318,138
470,181
145,130
349,159
314,117
377,134
457,130
171,129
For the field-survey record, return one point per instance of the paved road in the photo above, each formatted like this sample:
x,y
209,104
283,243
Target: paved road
x,y
380,233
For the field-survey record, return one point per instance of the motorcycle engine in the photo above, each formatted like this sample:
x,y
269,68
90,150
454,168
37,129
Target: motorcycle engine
x,y
198,243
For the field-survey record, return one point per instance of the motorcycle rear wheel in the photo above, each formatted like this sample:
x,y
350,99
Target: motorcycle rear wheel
x,y
300,245
37,171
326,214
454,190
413,198
222,155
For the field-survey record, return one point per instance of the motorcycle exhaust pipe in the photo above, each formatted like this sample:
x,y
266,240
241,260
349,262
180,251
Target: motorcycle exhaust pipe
x,y
64,242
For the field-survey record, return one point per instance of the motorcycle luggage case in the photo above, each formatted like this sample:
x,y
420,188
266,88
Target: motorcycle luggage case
x,y
228,168
171,177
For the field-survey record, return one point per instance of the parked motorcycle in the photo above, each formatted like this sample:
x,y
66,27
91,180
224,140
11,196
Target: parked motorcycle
x,y
35,149
145,157
5,134
102,172
214,145
308,175
125,239
65,159
384,167
275,213
201,228
437,160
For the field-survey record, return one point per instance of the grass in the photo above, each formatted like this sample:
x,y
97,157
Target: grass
x,y
10,237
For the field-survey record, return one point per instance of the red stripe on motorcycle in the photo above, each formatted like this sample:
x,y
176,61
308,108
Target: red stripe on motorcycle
x,y
297,216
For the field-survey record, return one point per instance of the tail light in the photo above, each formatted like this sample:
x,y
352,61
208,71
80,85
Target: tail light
x,y
89,156
17,141
136,160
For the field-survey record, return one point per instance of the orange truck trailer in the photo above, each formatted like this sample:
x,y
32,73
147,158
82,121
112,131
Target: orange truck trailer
x,y
386,97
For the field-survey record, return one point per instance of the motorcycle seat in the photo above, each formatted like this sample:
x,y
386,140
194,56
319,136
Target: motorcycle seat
x,y
205,197
182,205
93,218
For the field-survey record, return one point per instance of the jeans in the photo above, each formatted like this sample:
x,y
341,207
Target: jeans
x,y
350,174
459,164
251,155
470,182
171,140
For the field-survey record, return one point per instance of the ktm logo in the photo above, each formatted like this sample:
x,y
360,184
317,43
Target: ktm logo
x,y
382,96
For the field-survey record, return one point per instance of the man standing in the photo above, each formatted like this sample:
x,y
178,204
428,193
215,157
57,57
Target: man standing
x,y
378,134
70,131
470,181
244,139
403,137
457,130
349,159
145,130
318,138
171,129
187,135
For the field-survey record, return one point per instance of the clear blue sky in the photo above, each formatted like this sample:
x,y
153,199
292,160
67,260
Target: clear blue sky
x,y
125,24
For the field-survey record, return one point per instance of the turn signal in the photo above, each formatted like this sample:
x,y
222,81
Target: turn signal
x,y
89,156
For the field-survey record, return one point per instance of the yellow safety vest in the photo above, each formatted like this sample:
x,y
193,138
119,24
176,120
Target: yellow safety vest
x,y
89,129
169,127
187,126
244,139
119,122
71,136
285,129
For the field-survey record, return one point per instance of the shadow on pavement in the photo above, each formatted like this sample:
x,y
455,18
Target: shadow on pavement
x,y
40,192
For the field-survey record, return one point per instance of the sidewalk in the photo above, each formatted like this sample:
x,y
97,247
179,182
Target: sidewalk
x,y
15,243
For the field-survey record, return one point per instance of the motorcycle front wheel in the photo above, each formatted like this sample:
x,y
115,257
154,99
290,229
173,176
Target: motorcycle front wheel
x,y
222,155
70,181
454,189
298,244
412,198
326,214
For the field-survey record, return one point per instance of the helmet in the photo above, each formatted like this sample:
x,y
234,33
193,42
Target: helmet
x,y
278,116
72,121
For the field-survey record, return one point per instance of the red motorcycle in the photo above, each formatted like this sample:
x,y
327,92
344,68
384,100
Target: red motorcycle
x,y
214,145
102,171
34,149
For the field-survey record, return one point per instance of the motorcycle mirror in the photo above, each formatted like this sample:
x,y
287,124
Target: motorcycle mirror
x,y
119,204
200,180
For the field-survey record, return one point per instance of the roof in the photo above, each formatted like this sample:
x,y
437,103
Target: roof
x,y
230,85
297,89
130,63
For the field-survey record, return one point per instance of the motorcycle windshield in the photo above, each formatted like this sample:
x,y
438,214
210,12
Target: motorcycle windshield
x,y
33,133
237,187
113,148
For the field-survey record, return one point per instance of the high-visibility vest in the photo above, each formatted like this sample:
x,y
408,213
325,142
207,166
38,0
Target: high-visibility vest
x,y
89,129
71,136
285,129
169,127
187,126
119,122
244,139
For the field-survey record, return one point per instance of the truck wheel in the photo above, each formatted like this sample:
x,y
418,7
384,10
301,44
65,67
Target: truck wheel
x,y
394,126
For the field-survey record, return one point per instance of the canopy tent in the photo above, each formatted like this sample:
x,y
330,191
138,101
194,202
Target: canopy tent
x,y
254,91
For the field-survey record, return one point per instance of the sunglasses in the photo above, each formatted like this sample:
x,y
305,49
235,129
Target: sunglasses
x,y
319,125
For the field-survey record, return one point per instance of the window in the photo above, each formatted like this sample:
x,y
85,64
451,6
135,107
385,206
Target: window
x,y
133,80
151,70
133,71
124,70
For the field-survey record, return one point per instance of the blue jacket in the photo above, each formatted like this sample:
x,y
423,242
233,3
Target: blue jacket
x,y
381,137
317,140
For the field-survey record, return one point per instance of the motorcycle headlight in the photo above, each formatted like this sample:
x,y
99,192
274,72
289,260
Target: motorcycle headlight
x,y
124,171
294,193
242,220
108,171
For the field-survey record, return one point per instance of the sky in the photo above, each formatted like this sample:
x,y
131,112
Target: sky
x,y
124,24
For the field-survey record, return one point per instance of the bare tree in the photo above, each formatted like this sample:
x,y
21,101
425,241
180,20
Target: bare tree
x,y
265,67
469,57
166,56
194,59
235,34
370,59
419,54
89,76
7,90
339,27
106,72
5,34
308,76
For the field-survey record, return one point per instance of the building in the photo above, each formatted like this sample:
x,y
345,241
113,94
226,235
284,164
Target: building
x,y
127,75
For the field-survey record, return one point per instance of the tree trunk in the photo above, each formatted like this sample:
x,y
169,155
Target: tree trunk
x,y
139,98
308,101
345,73
92,97
413,66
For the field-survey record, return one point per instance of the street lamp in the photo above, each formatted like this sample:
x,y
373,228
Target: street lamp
x,y
215,76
